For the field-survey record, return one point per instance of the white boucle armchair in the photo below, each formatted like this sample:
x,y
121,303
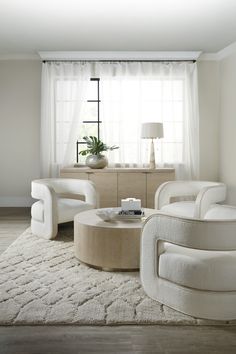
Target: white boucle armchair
x,y
204,194
190,264
59,201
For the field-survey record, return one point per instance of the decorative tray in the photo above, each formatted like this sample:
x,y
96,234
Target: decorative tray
x,y
108,214
121,215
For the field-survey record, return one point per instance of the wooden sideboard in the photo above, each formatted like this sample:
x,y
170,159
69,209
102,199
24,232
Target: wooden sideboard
x,y
114,184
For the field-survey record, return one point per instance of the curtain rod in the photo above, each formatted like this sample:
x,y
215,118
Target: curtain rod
x,y
120,61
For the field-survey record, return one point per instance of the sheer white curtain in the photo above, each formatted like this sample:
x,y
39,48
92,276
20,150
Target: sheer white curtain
x,y
64,87
136,92
131,93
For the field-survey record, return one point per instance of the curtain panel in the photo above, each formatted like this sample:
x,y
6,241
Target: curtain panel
x,y
63,93
131,93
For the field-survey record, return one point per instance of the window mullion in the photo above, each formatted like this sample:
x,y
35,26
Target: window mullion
x,y
97,121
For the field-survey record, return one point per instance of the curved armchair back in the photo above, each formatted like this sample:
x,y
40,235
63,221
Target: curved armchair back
x,y
205,193
61,186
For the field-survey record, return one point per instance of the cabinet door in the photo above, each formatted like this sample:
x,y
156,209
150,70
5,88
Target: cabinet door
x,y
106,184
132,185
154,180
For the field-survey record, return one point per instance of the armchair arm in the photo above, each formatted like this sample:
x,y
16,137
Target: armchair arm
x,y
192,233
91,194
207,196
46,193
75,187
81,187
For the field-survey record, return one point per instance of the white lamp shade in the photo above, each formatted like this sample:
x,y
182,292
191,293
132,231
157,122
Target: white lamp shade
x,y
152,130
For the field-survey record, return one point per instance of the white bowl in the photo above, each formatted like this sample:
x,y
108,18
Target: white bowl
x,y
106,214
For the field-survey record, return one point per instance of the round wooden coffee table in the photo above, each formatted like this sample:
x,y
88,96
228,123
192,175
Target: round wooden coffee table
x,y
108,245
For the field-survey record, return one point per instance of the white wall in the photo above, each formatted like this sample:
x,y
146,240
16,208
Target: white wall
x,y
228,125
208,81
20,123
19,130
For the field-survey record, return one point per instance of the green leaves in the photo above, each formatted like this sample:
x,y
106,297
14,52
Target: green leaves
x,y
95,146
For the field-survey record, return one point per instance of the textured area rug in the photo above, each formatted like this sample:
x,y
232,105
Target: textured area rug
x,y
41,282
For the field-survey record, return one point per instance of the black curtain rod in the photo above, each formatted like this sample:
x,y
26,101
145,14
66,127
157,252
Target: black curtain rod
x,y
119,61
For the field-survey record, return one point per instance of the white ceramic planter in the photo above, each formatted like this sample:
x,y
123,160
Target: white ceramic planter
x,y
96,161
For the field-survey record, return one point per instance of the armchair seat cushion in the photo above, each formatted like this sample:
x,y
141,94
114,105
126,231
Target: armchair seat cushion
x,y
198,269
187,208
68,208
221,212
184,209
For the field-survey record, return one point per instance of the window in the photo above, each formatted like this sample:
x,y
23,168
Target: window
x,y
125,105
132,93
65,102
130,102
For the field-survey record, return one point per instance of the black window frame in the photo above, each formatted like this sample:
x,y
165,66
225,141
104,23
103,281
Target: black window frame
x,y
97,121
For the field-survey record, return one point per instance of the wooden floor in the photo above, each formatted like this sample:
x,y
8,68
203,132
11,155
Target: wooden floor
x,y
13,221
95,339
123,339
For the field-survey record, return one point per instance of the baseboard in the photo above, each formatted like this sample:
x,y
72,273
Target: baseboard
x,y
16,201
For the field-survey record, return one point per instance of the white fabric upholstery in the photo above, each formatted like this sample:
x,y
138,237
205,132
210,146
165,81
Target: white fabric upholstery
x,y
198,269
204,193
185,208
68,208
221,212
37,211
190,264
55,205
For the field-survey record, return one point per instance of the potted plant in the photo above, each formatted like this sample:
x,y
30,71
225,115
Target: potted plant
x,y
94,149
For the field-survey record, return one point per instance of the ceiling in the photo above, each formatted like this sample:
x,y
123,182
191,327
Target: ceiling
x,y
29,26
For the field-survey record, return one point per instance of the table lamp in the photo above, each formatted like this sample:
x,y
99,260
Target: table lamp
x,y
152,131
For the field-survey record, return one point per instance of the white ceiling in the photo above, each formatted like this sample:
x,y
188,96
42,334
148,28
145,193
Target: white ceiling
x,y
28,26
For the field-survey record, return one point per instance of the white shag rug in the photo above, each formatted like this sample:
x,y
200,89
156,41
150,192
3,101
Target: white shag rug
x,y
41,282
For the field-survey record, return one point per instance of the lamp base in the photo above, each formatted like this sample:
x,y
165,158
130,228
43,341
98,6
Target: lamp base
x,y
152,163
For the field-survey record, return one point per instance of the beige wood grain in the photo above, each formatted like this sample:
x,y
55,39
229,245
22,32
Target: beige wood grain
x,y
132,185
106,185
108,248
75,170
154,180
79,175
